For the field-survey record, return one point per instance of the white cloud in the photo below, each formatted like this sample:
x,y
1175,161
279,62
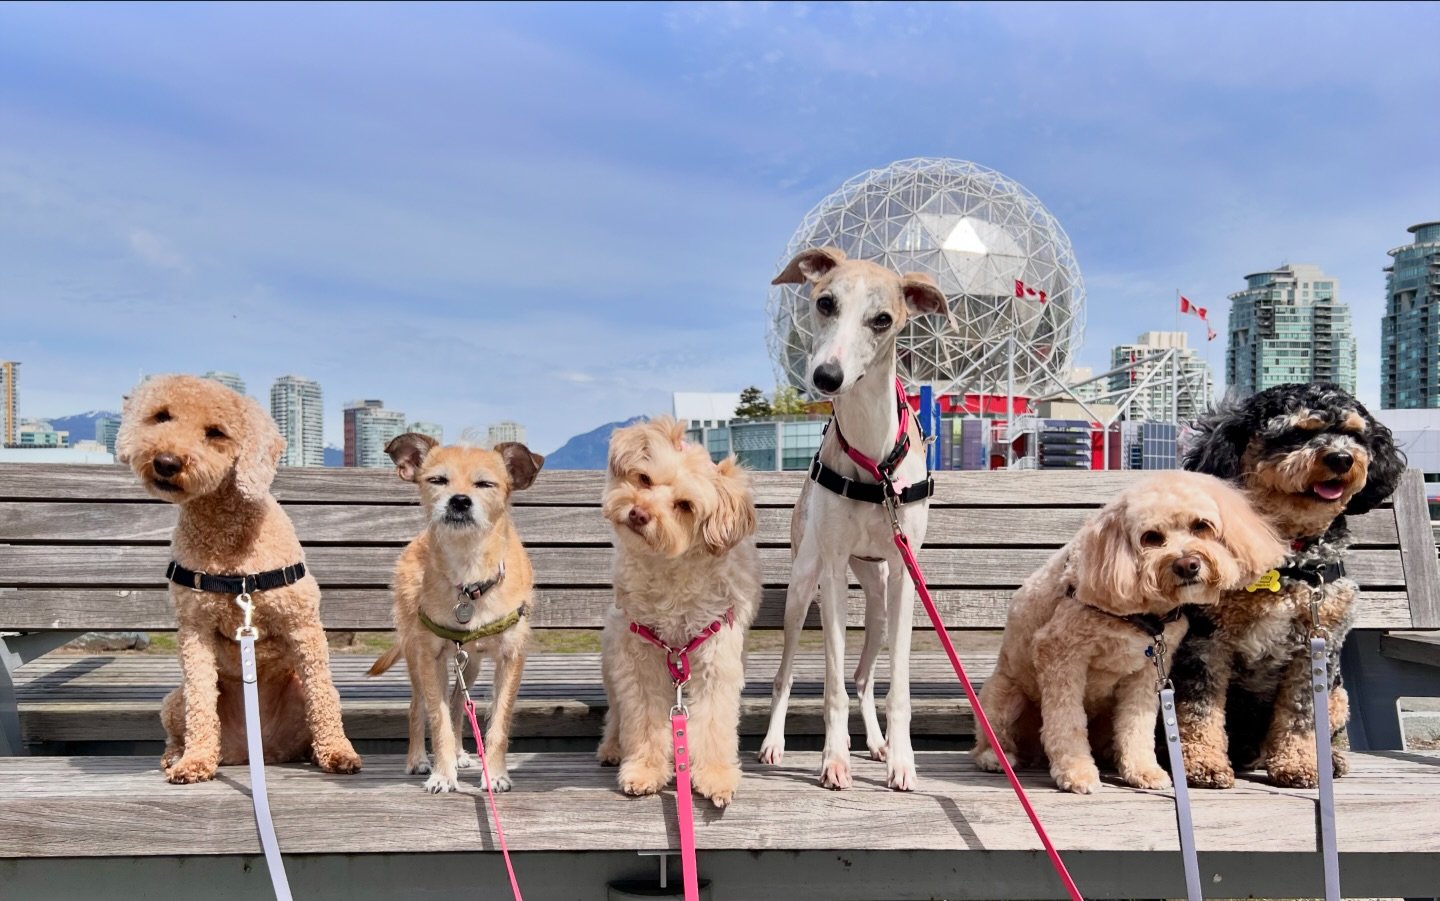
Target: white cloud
x,y
155,250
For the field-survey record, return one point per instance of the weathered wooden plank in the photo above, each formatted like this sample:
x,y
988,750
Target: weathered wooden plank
x,y
1416,647
368,609
1422,575
22,481
565,802
144,566
111,522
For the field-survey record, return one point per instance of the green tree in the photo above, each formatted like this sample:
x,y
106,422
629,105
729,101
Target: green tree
x,y
753,404
787,400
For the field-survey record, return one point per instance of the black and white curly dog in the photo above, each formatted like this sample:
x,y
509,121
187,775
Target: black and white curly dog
x,y
1306,455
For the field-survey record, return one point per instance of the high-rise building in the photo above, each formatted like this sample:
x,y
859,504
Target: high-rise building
x,y
297,407
433,429
1410,331
500,432
9,402
106,429
1289,325
1087,392
1162,394
228,379
368,428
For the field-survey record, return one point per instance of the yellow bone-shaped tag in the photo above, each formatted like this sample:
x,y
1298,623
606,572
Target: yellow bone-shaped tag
x,y
1269,582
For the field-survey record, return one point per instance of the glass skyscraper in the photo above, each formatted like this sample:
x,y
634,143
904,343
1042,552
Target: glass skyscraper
x,y
1410,331
368,428
297,408
1289,325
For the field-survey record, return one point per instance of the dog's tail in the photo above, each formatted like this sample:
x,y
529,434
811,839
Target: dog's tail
x,y
386,661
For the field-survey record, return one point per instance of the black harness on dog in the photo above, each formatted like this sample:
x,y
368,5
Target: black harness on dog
x,y
1312,574
1153,625
199,581
875,492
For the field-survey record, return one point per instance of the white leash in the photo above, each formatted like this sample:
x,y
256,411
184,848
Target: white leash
x,y
258,792
1170,723
1324,761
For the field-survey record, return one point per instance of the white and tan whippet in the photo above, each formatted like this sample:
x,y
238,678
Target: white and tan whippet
x,y
859,309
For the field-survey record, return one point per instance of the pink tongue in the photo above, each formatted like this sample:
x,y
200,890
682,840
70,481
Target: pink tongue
x,y
1329,490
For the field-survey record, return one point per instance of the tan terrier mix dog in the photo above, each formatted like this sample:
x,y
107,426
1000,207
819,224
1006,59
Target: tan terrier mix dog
x,y
464,582
212,452
685,563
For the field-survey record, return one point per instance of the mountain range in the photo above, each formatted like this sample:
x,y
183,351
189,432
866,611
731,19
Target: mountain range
x,y
81,426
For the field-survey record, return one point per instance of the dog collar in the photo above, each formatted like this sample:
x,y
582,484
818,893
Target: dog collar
x,y
475,590
1313,574
1152,624
883,488
494,627
202,581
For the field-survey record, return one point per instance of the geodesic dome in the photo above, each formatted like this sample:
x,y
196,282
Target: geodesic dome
x,y
1001,258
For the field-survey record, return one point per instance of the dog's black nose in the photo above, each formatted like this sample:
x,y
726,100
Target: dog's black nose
x,y
460,503
167,465
638,517
1339,462
828,377
1187,567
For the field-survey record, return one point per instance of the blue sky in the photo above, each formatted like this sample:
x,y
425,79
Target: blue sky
x,y
562,213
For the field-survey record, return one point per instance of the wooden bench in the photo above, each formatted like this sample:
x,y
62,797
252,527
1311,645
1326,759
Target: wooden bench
x,y
83,549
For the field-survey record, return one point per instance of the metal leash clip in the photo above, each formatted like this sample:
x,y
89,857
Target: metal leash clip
x,y
1156,653
247,627
461,660
1316,590
680,707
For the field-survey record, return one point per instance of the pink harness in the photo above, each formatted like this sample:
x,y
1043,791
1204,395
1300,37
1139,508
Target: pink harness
x,y
678,661
902,543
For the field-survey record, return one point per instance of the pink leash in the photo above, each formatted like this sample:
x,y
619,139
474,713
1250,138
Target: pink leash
x,y
908,555
678,660
460,660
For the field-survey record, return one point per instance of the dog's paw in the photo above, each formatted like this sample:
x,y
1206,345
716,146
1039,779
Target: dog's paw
x,y
1206,769
339,759
879,750
170,756
900,775
420,766
1293,772
191,768
1146,777
439,783
835,773
717,782
638,779
771,753
988,760
1339,761
608,753
1081,778
463,760
498,782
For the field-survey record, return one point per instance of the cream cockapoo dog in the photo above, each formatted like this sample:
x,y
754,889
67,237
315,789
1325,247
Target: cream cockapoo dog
x,y
1074,676
685,559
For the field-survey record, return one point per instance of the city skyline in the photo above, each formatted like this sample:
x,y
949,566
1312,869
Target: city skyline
x,y
603,231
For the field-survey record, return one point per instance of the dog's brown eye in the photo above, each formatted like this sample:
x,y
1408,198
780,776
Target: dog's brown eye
x,y
214,433
882,322
1201,527
825,305
484,484
1152,538
162,416
644,480
438,480
683,506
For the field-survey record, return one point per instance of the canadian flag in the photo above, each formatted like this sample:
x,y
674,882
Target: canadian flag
x,y
1187,307
1024,290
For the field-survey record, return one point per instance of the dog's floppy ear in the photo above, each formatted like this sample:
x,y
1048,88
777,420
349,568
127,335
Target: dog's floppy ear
x,y
810,265
1253,545
924,298
628,447
131,419
1103,560
1387,465
733,519
520,463
260,450
1219,443
408,451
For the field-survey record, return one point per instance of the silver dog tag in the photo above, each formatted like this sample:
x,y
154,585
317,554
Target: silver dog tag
x,y
464,612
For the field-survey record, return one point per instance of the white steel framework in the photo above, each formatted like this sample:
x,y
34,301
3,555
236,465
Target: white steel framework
x,y
1001,258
